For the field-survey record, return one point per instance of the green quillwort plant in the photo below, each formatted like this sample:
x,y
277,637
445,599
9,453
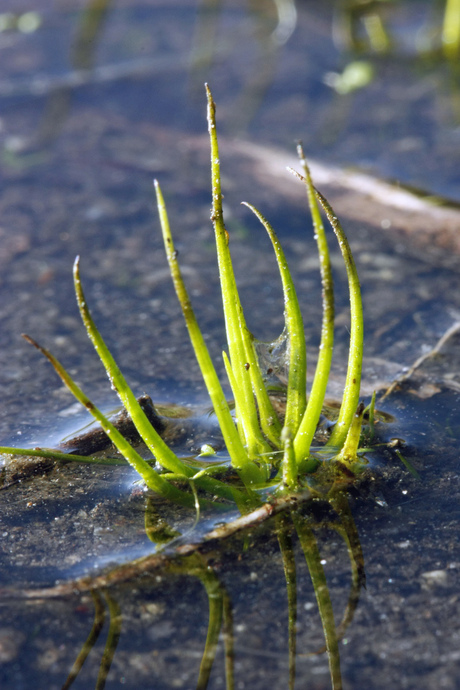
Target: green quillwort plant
x,y
269,453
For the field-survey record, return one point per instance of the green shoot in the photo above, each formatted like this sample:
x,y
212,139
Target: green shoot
x,y
58,455
238,337
266,453
233,441
312,414
289,465
355,358
349,451
150,436
297,381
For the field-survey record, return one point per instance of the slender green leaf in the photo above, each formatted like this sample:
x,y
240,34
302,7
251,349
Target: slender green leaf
x,y
234,386
241,462
297,376
349,451
289,465
163,454
64,457
306,432
355,358
152,479
269,420
237,331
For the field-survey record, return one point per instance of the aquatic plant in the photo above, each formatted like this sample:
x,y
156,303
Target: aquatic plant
x,y
268,452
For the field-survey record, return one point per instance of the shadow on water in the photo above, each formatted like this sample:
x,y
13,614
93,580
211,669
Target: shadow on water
x,y
84,553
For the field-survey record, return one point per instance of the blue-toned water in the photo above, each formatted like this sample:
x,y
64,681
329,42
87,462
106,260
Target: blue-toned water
x,y
97,99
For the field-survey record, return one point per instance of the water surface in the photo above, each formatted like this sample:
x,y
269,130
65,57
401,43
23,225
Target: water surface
x,y
80,149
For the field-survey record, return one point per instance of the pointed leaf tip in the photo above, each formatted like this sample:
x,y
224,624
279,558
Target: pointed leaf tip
x,y
31,341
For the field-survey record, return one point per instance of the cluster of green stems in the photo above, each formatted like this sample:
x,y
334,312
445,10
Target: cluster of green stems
x,y
263,449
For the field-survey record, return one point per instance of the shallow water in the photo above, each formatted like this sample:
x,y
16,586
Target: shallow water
x,y
79,153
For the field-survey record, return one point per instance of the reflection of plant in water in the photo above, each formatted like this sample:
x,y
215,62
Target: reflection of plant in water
x,y
220,617
270,453
115,627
